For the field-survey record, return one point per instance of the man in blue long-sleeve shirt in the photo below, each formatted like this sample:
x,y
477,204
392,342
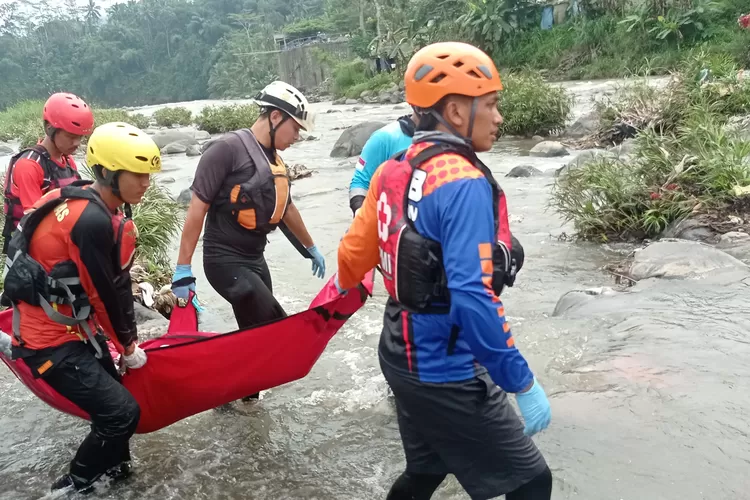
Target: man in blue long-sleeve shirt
x,y
382,144
436,222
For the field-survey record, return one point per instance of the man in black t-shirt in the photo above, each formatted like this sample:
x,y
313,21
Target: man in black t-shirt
x,y
241,190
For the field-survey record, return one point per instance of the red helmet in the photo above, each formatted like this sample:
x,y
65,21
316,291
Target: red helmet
x,y
69,113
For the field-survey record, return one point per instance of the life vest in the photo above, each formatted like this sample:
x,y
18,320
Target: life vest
x,y
27,280
411,264
54,177
260,202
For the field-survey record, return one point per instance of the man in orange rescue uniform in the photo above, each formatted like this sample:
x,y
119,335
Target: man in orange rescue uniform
x,y
69,283
437,223
48,165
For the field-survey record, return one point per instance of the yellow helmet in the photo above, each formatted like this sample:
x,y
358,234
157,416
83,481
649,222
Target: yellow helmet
x,y
120,146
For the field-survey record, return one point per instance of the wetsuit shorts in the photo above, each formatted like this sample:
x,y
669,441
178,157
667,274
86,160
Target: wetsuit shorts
x,y
246,285
468,429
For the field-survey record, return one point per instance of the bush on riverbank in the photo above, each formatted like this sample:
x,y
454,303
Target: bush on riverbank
x,y
166,117
221,119
351,78
686,160
531,106
23,121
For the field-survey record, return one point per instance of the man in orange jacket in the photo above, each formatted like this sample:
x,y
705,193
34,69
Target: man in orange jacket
x,y
48,165
70,286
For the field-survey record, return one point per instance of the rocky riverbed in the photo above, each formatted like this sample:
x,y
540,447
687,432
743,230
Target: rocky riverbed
x,y
647,378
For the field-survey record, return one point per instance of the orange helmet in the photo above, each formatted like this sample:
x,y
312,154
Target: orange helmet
x,y
444,68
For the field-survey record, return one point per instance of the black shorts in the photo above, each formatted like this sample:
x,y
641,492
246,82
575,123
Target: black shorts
x,y
468,429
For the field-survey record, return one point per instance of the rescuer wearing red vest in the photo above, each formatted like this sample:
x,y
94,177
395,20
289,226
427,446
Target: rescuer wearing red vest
x,y
48,165
436,222
69,282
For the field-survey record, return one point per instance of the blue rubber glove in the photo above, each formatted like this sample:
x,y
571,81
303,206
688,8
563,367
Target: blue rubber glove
x,y
319,263
183,292
535,409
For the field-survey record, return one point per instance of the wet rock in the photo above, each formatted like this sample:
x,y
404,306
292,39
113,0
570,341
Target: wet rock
x,y
577,298
583,158
365,93
6,150
401,106
624,149
353,139
396,98
537,138
393,88
524,171
351,101
167,180
371,100
736,244
384,97
202,135
548,149
151,324
356,108
330,110
184,197
174,148
584,125
298,171
681,259
339,101
166,137
193,150
690,229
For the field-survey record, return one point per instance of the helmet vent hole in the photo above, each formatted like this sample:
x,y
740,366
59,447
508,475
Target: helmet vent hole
x,y
91,150
438,78
121,125
133,134
458,64
473,73
142,158
444,56
76,124
68,97
75,105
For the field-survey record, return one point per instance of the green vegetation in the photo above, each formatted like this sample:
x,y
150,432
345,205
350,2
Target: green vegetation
x,y
221,48
688,158
24,121
166,117
531,106
220,119
159,220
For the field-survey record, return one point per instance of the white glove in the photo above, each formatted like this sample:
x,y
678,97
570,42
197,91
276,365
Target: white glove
x,y
135,360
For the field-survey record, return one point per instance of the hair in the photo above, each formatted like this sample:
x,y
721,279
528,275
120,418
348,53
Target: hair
x,y
427,120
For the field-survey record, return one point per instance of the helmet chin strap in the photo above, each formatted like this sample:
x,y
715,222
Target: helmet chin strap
x,y
272,129
453,129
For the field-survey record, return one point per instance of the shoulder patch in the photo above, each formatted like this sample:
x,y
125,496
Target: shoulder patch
x,y
447,168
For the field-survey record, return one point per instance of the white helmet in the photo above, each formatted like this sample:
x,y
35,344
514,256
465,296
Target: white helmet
x,y
282,96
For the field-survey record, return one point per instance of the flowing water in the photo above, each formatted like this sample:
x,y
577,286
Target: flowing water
x,y
648,388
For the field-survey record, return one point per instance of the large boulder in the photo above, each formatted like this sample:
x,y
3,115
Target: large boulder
x,y
681,259
184,197
582,158
174,148
353,139
585,125
351,101
202,135
577,298
193,150
690,229
171,136
524,171
6,150
548,149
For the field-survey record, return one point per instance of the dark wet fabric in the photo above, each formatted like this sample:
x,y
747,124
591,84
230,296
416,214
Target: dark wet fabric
x,y
247,286
94,386
468,429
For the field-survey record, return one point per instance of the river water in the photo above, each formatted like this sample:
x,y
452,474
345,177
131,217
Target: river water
x,y
648,388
